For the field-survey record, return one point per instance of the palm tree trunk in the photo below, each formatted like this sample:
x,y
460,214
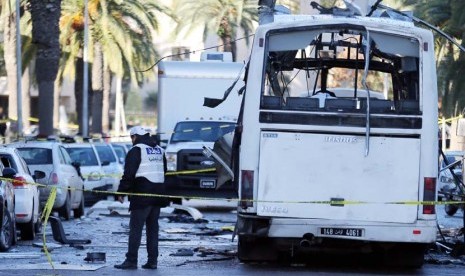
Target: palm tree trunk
x,y
97,89
9,37
78,86
226,38
56,106
26,97
45,34
106,99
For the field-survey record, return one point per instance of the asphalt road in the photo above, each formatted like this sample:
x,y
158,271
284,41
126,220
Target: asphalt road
x,y
186,248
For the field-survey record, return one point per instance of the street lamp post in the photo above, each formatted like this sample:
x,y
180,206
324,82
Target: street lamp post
x,y
19,71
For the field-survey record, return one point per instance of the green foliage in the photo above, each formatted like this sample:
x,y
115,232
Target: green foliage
x,y
223,17
449,17
125,29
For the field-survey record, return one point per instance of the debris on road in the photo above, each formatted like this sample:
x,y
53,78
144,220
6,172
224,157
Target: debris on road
x,y
59,233
95,257
183,253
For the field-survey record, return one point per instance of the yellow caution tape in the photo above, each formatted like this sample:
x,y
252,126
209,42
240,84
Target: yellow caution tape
x,y
45,215
443,120
51,200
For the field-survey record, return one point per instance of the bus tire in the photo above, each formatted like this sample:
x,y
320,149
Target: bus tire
x,y
256,250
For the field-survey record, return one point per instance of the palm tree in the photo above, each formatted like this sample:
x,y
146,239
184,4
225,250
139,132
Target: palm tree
x,y
45,34
221,17
448,16
9,38
27,56
121,39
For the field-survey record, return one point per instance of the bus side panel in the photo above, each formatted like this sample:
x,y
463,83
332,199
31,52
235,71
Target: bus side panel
x,y
300,167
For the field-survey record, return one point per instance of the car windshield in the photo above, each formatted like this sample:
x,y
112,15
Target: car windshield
x,y
119,149
451,159
85,156
36,156
105,153
200,131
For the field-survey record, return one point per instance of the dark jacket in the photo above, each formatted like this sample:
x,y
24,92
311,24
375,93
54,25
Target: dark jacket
x,y
131,184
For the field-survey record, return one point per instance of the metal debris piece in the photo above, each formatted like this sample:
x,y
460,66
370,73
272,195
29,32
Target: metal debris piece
x,y
95,257
194,213
182,218
59,233
183,252
206,260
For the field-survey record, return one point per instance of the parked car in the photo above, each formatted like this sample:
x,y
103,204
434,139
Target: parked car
x,y
27,204
446,179
121,149
52,158
92,171
7,210
114,170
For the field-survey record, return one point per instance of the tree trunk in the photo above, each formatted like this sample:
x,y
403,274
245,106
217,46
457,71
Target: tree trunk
x,y
226,35
9,37
97,89
26,97
56,106
106,99
78,84
45,33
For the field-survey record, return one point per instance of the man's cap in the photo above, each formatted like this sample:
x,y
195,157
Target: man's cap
x,y
138,130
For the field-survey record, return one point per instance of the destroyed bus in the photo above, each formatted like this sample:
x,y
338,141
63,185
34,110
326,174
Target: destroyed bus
x,y
336,145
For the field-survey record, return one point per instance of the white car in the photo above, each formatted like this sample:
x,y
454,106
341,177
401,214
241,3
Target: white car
x,y
91,170
121,149
27,204
446,179
113,169
52,158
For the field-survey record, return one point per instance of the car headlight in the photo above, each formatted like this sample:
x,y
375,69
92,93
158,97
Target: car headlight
x,y
94,176
171,161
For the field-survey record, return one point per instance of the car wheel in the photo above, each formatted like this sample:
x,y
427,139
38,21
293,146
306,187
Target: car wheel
x,y
6,232
65,210
451,209
28,231
79,211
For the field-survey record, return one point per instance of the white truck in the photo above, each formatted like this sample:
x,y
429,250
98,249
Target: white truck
x,y
336,147
186,125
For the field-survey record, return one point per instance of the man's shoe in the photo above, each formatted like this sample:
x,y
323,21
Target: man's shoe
x,y
149,266
126,265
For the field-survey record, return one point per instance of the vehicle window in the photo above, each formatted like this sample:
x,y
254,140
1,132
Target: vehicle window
x,y
24,165
8,161
105,153
36,156
119,150
86,156
200,131
323,71
451,159
66,158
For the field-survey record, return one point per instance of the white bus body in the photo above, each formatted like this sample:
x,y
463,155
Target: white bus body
x,y
320,170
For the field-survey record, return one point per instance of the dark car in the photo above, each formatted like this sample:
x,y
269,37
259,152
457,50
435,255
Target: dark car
x,y
7,210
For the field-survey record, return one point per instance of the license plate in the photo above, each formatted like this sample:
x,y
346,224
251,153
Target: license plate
x,y
348,232
208,183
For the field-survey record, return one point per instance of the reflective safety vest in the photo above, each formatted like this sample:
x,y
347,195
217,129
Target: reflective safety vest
x,y
151,163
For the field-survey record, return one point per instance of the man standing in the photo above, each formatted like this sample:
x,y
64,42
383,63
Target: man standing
x,y
144,173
